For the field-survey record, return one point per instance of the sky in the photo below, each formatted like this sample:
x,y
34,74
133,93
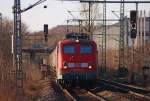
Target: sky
x,y
56,12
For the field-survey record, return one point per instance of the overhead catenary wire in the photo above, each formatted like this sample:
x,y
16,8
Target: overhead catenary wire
x,y
109,1
33,5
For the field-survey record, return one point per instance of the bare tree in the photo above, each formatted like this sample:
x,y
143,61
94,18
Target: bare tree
x,y
6,63
90,12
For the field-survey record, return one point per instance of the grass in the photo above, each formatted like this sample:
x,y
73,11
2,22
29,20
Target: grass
x,y
33,75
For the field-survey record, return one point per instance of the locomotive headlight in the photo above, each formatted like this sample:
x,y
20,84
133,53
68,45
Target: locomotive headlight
x,y
65,67
77,40
90,67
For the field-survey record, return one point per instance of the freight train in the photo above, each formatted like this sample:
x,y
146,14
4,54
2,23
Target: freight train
x,y
75,60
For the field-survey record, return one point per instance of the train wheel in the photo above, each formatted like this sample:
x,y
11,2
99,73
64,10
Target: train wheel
x,y
60,82
63,83
69,83
82,84
89,84
73,84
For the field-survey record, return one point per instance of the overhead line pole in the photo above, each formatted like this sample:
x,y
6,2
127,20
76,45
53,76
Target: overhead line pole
x,y
18,51
18,46
121,43
105,17
90,17
104,39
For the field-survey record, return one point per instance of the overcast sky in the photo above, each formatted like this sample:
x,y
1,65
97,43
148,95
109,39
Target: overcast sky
x,y
55,13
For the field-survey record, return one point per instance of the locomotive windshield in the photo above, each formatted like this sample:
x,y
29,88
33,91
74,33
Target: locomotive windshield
x,y
85,49
69,49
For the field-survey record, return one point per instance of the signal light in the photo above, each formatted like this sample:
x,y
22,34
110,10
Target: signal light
x,y
46,39
133,33
65,67
90,67
133,25
133,16
133,22
46,31
45,28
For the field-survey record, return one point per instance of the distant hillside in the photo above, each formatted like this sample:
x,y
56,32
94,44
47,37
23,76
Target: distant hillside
x,y
55,34
62,29
59,29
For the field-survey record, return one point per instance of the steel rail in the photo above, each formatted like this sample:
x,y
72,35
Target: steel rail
x,y
100,98
128,87
67,94
140,95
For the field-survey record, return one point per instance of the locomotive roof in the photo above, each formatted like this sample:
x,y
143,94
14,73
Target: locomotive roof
x,y
65,41
77,36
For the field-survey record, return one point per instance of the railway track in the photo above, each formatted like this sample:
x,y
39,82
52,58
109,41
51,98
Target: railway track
x,y
82,95
49,91
114,91
108,95
53,92
78,94
125,87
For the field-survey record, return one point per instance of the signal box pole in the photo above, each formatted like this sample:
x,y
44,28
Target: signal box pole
x,y
18,51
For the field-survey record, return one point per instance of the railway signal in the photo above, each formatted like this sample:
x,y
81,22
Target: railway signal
x,y
46,32
133,22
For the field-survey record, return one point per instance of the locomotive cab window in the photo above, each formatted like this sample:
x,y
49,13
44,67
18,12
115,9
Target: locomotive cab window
x,y
85,49
69,49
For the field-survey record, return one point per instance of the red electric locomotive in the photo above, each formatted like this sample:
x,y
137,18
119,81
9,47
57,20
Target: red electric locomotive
x,y
75,59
